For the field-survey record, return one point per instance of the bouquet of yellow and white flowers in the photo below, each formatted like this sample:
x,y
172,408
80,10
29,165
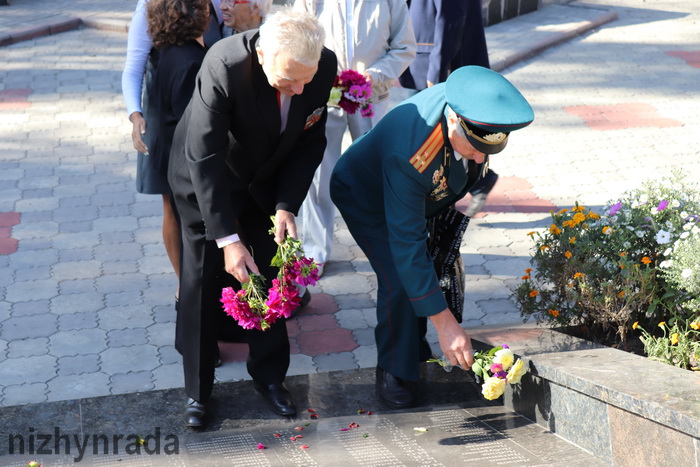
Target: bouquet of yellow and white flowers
x,y
495,368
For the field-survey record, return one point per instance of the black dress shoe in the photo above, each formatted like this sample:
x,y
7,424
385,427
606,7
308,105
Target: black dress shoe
x,y
196,413
392,390
279,398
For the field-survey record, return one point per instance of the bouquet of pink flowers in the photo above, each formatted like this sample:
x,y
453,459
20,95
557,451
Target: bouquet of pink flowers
x,y
495,368
352,91
252,308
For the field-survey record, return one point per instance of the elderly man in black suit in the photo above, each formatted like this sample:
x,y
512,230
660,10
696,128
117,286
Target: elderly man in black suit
x,y
245,149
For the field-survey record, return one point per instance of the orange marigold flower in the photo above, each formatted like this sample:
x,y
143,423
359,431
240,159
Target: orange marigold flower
x,y
607,230
554,313
593,215
562,211
674,338
623,254
568,254
578,208
695,325
621,294
534,293
569,223
525,277
530,234
544,247
646,260
635,325
572,240
578,218
579,274
554,230
528,270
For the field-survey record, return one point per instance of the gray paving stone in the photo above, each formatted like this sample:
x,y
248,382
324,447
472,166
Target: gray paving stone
x,y
77,270
41,229
29,347
21,394
76,254
168,376
366,356
164,314
230,371
78,364
24,327
83,286
351,319
123,317
123,298
364,336
77,321
160,334
32,307
85,385
336,361
354,301
498,306
28,370
121,283
132,358
77,302
132,382
120,267
77,342
114,224
32,258
33,274
127,337
107,238
75,214
169,355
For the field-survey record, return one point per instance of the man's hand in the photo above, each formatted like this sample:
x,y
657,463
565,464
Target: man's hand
x,y
137,132
284,223
237,261
454,341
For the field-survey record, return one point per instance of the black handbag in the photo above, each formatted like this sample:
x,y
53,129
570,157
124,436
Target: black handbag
x,y
445,232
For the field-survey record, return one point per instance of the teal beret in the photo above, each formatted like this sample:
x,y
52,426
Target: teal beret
x,y
488,104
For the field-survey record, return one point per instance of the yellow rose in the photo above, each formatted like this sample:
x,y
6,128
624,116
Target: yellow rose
x,y
517,372
504,357
493,388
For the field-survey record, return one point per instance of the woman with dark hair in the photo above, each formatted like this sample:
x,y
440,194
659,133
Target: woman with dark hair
x,y
176,28
138,84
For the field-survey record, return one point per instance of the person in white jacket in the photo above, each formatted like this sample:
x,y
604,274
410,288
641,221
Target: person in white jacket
x,y
374,38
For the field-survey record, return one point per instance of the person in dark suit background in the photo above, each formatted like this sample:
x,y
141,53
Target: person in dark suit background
x,y
450,34
245,149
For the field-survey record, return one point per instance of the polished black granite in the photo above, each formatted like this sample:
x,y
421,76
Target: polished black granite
x,y
461,428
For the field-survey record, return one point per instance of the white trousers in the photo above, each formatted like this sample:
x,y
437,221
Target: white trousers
x,y
318,211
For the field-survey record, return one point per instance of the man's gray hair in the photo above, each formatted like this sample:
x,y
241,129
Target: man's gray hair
x,y
264,6
298,35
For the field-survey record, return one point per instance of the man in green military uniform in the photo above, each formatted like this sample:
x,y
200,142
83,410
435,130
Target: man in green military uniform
x,y
420,159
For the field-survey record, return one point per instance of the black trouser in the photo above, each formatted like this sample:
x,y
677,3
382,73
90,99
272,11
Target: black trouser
x,y
200,315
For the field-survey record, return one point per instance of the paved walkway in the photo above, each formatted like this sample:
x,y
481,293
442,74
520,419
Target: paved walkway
x,y
86,290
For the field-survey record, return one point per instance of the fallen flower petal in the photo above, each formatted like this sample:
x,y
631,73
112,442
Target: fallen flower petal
x,y
293,438
314,416
299,436
344,429
298,428
261,446
304,446
360,411
312,410
278,435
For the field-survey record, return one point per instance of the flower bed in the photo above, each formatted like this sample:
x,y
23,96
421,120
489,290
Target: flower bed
x,y
632,270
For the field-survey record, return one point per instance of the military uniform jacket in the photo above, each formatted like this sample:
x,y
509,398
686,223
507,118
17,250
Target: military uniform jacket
x,y
227,146
401,173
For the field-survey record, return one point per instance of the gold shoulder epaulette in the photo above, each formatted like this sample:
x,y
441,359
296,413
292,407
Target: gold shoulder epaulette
x,y
428,150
